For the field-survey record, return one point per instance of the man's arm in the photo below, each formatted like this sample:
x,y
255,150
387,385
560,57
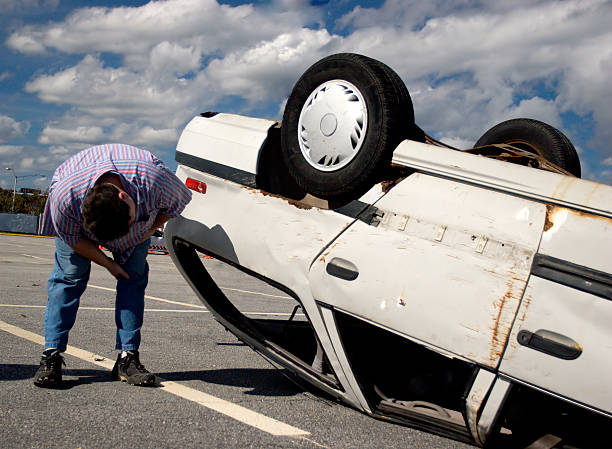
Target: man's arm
x,y
159,221
90,250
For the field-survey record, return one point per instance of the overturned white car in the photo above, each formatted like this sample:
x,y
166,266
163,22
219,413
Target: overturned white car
x,y
454,291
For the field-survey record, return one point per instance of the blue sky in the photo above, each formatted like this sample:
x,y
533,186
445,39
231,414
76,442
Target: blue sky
x,y
80,73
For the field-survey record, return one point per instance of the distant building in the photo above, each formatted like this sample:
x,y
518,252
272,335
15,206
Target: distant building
x,y
29,191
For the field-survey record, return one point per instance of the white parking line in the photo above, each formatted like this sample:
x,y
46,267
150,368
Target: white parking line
x,y
169,301
29,306
232,410
255,293
9,260
35,257
235,411
42,245
26,306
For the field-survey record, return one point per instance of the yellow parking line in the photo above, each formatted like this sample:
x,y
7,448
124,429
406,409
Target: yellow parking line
x,y
235,411
28,235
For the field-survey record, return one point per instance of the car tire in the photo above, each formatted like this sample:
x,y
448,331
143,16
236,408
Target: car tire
x,y
536,137
343,119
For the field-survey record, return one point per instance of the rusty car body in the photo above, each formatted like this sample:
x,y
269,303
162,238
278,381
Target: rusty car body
x,y
469,297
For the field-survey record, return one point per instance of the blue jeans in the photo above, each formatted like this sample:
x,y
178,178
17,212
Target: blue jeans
x,y
67,283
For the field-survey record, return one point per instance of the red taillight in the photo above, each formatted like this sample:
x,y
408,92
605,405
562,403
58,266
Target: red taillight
x,y
196,185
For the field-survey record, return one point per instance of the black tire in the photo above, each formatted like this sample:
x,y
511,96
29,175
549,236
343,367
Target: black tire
x,y
339,81
407,126
536,137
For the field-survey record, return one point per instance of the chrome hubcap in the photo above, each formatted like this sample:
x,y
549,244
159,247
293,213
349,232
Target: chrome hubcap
x,y
332,125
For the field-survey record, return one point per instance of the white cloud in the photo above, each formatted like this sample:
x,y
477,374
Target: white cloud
x,y
257,72
26,44
537,108
80,134
456,142
409,14
116,93
11,128
10,150
152,136
173,59
468,65
20,159
204,23
27,162
60,150
145,135
154,101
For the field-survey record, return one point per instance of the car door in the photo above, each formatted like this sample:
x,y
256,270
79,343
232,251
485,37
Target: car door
x,y
562,338
445,264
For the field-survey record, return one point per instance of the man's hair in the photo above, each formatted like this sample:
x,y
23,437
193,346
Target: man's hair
x,y
105,215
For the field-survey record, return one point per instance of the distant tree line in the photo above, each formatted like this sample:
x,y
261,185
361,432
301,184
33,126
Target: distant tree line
x,y
25,203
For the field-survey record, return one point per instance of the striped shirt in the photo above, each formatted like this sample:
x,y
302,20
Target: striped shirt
x,y
151,185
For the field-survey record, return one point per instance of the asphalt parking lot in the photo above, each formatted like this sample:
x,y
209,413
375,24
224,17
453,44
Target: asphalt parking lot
x,y
215,392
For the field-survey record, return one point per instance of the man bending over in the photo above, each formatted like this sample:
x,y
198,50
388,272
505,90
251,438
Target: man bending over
x,y
115,195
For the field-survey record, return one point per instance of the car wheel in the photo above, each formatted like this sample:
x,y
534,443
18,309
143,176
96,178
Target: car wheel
x,y
343,119
535,137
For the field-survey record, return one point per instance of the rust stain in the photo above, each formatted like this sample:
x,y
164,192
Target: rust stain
x,y
470,328
395,175
591,194
580,213
297,204
494,351
525,306
326,253
520,319
552,211
500,329
586,214
548,222
323,256
389,184
293,202
562,188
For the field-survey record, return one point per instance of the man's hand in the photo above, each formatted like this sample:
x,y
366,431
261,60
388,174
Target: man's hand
x,y
90,250
159,221
115,269
147,236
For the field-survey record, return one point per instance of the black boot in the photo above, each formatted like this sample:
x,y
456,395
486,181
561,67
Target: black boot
x,y
49,373
130,370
